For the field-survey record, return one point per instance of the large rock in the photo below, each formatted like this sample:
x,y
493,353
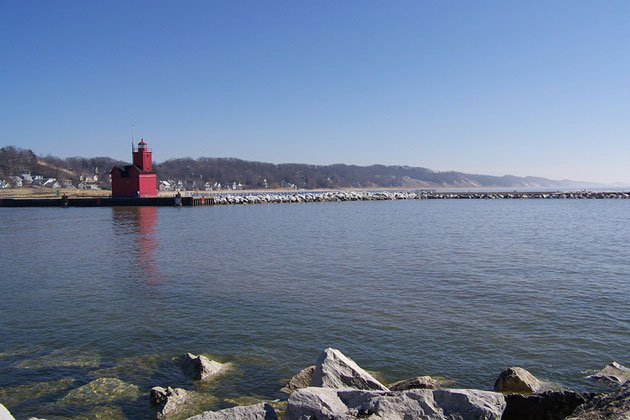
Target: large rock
x,y
334,370
613,373
261,411
419,382
167,399
300,380
613,406
200,367
517,380
426,404
550,405
5,414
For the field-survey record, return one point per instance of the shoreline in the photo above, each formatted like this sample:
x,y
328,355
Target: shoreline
x,y
334,387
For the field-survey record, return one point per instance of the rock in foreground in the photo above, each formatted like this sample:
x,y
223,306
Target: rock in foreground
x,y
335,370
550,405
5,414
613,406
300,380
516,380
167,399
262,411
614,373
200,367
440,404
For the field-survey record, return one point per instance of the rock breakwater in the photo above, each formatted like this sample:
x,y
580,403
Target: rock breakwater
x,y
333,196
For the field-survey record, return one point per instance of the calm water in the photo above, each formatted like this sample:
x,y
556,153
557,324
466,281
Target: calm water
x,y
460,289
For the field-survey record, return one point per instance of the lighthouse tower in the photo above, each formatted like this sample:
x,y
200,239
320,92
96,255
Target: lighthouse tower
x,y
137,180
142,156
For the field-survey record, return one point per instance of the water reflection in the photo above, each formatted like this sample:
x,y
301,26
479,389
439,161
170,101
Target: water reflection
x,y
137,226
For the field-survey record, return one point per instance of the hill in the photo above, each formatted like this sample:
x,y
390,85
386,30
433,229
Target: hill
x,y
259,174
197,173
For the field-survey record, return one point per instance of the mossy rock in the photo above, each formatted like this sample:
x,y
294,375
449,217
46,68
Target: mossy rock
x,y
101,391
14,395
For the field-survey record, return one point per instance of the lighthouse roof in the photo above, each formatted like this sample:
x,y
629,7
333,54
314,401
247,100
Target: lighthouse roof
x,y
142,142
125,171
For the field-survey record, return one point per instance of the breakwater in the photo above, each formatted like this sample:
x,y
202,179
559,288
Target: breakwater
x,y
331,196
303,197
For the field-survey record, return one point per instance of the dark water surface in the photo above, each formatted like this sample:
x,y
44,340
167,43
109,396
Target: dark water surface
x,y
460,289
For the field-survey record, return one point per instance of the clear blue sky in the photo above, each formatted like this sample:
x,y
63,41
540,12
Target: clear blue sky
x,y
496,87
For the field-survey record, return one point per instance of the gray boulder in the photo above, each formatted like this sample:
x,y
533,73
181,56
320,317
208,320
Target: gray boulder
x,y
200,367
419,382
469,404
167,399
5,414
334,370
349,404
612,406
516,380
302,379
550,405
613,373
316,403
261,411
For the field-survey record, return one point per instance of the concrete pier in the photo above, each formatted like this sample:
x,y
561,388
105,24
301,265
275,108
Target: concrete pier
x,y
106,202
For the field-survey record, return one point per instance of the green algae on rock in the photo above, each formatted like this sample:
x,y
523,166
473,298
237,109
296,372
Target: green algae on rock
x,y
102,412
15,394
101,391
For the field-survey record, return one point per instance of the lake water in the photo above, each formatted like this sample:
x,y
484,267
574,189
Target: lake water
x,y
454,288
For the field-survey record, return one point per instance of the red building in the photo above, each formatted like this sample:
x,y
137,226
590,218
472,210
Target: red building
x,y
137,180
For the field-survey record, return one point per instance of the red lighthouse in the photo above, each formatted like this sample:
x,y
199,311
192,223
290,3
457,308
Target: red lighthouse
x,y
137,180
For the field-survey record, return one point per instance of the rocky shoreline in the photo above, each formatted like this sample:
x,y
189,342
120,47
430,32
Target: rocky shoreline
x,y
332,196
336,388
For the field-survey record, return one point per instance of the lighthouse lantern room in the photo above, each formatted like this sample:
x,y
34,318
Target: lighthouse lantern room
x,y
137,180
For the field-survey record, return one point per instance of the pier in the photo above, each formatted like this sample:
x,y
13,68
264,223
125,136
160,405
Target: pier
x,y
106,202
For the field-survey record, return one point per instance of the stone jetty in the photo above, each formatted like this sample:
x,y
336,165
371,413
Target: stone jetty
x,y
332,196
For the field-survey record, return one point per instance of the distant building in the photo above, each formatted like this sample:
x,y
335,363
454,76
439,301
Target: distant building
x,y
285,184
26,177
52,183
15,181
67,184
166,186
137,180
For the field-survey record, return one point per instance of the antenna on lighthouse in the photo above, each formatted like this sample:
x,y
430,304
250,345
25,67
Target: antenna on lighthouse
x,y
133,133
